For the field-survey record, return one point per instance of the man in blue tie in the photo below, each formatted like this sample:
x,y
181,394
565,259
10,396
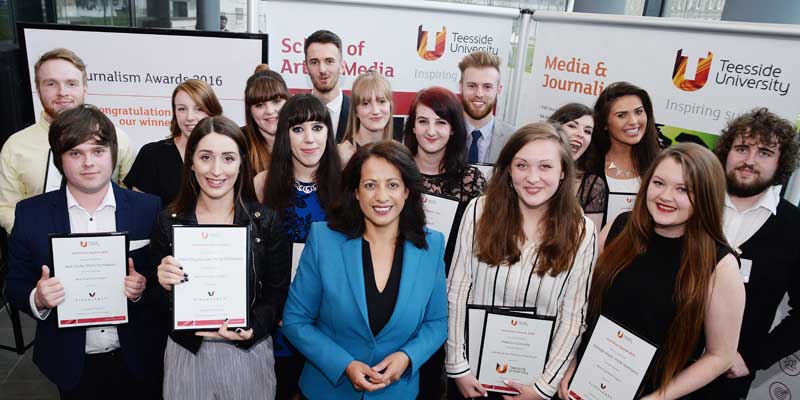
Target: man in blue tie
x,y
480,86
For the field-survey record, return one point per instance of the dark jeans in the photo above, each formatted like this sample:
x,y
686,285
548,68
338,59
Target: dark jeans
x,y
105,376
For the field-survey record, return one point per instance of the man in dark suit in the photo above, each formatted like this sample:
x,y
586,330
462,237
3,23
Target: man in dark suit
x,y
112,361
760,151
323,52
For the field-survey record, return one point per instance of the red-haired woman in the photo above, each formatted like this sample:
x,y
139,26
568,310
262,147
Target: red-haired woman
x,y
668,274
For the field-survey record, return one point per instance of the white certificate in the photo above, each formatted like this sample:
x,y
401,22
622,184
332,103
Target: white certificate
x,y
613,366
52,178
440,212
216,260
486,169
297,251
92,269
515,347
619,203
476,317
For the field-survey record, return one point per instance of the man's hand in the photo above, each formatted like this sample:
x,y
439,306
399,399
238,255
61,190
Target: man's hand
x,y
49,291
134,282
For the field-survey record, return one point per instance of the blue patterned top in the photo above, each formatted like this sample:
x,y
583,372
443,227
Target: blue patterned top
x,y
306,210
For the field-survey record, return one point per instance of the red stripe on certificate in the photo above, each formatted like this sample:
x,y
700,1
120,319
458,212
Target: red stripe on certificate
x,y
207,322
92,320
575,395
497,387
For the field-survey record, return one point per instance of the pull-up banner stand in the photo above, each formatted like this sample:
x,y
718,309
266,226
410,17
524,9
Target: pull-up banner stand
x,y
132,72
699,74
414,44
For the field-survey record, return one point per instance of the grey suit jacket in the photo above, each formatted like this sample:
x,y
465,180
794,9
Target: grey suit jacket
x,y
500,134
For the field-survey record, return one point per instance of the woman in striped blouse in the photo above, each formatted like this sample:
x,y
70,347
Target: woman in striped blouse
x,y
541,256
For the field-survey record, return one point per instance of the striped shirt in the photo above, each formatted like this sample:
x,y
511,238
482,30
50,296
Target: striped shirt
x,y
563,296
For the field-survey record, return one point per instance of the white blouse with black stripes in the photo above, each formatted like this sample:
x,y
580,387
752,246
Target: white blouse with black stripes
x,y
563,296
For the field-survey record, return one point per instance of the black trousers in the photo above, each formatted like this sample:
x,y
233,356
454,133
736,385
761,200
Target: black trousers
x,y
105,376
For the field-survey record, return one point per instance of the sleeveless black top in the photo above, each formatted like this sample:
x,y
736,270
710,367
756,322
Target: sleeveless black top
x,y
641,298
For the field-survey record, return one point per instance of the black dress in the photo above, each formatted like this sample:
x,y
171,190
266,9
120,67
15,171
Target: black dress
x,y
380,305
641,296
157,170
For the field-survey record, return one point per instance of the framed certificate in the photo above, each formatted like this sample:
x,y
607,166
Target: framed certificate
x,y
476,319
297,251
440,212
92,269
619,203
486,169
515,346
216,258
614,364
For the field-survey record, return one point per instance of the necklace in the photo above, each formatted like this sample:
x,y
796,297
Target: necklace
x,y
619,171
305,187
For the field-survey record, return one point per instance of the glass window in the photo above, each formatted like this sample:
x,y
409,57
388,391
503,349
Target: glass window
x,y
694,9
93,12
180,9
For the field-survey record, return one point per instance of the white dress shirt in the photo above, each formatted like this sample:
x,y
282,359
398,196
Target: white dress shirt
x,y
99,339
483,142
739,226
335,108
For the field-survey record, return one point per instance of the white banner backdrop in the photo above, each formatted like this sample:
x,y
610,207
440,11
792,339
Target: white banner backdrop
x,y
697,79
132,75
698,74
415,44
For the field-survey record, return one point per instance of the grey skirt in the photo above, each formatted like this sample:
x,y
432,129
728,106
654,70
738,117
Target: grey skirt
x,y
219,370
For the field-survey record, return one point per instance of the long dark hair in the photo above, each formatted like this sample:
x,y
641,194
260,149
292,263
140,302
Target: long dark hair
x,y
446,106
644,152
279,189
347,216
571,112
190,189
263,86
499,230
705,180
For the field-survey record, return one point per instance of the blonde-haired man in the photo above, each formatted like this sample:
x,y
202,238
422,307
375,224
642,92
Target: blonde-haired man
x,y
480,86
61,82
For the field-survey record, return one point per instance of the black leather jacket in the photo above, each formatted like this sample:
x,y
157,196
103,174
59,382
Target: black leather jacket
x,y
271,263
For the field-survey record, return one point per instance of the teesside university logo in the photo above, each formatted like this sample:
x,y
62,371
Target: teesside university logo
x,y
422,44
700,75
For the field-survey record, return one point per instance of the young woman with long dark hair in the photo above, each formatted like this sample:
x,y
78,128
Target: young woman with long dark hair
x,y
666,273
264,96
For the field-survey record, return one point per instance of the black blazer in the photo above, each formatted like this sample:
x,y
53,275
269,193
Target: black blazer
x,y
342,124
271,264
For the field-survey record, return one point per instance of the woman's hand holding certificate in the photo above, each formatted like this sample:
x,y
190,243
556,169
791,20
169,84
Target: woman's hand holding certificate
x,y
170,273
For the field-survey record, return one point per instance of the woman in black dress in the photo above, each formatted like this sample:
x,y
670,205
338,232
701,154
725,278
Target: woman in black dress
x,y
158,166
668,274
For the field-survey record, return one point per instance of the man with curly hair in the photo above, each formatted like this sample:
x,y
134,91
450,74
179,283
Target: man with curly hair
x,y
760,151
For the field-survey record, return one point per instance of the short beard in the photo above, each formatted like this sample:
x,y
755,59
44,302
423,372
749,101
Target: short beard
x,y
744,191
473,115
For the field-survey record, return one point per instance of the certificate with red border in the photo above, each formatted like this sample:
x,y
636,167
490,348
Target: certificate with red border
x,y
92,269
216,259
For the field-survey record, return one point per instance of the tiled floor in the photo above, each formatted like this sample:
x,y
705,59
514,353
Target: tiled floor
x,y
19,377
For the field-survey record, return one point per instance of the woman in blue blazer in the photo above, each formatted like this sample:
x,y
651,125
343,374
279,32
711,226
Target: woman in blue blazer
x,y
368,305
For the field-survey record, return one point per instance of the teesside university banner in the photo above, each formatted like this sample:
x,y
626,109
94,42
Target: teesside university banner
x,y
696,79
413,48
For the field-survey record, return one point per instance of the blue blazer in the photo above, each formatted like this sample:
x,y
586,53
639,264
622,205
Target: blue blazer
x,y
326,314
59,353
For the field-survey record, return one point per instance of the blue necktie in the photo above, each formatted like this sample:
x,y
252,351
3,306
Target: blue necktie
x,y
473,148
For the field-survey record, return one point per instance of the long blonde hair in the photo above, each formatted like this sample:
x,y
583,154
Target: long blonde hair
x,y
367,85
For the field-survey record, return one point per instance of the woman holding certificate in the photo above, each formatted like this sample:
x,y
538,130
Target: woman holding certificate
x,y
524,247
624,144
436,135
667,275
368,304
217,190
